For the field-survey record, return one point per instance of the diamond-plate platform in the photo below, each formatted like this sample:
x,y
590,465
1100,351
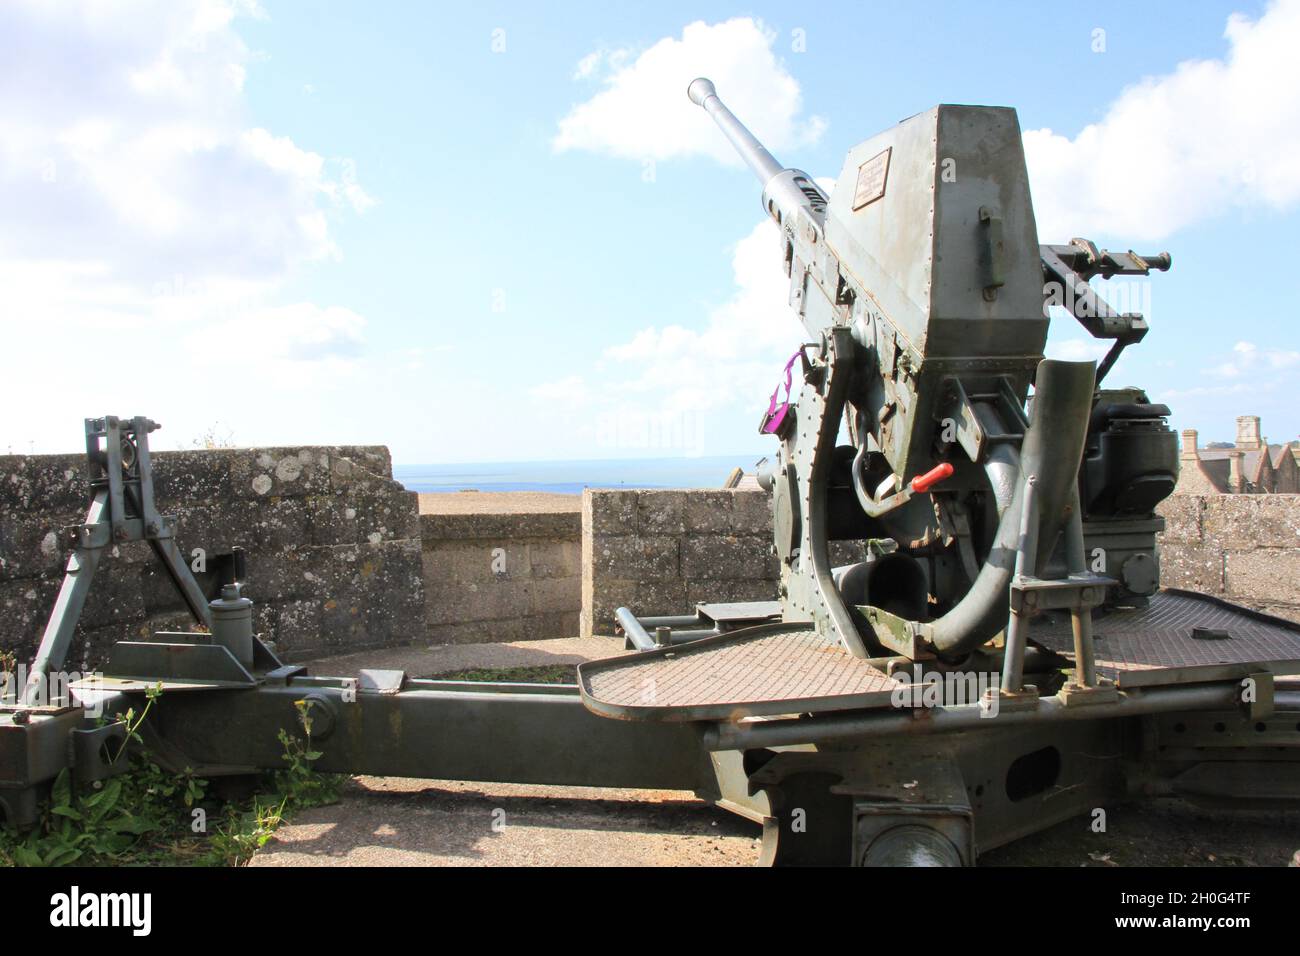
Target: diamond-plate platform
x,y
764,670
1181,637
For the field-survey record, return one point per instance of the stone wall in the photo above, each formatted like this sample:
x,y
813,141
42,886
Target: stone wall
x,y
500,567
341,558
1244,548
662,552
333,548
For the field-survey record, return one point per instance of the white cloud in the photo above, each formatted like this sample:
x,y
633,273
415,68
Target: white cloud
x,y
149,227
1249,359
126,140
739,349
1176,149
674,389
643,113
678,389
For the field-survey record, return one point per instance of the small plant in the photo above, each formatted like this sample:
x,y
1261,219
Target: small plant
x,y
246,831
144,815
133,723
212,438
299,782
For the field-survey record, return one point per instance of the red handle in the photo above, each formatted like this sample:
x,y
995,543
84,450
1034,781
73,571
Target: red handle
x,y
923,483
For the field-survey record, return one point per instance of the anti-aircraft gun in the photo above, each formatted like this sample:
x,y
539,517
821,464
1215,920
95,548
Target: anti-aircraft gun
x,y
1005,506
922,283
999,658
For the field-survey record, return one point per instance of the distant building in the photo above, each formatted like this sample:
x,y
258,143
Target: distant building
x,y
1250,466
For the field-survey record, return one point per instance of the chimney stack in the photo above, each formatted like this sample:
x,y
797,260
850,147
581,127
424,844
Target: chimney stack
x,y
1189,444
1236,484
1248,432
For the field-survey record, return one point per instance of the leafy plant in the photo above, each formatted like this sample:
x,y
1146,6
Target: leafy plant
x,y
94,825
299,782
246,831
144,815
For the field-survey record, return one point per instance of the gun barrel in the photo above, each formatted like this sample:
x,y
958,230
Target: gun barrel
x,y
703,94
785,191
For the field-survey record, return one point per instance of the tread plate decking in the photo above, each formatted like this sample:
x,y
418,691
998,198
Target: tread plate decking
x,y
1154,644
764,670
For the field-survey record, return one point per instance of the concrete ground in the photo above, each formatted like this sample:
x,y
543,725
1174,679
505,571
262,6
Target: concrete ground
x,y
384,821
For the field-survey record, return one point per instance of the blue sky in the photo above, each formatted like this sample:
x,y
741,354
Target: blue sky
x,y
500,232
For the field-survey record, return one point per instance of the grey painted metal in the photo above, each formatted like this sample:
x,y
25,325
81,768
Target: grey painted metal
x,y
891,262
808,585
197,662
122,509
703,94
232,623
667,620
436,730
1051,451
1067,270
634,631
1063,399
787,193
1013,662
734,613
940,720
1085,661
637,636
77,578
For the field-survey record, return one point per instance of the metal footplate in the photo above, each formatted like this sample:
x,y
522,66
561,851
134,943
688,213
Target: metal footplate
x,y
1181,637
766,670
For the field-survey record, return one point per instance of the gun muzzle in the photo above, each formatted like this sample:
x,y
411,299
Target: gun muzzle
x,y
703,94
784,190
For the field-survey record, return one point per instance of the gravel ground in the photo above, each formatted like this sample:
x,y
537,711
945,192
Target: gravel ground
x,y
386,821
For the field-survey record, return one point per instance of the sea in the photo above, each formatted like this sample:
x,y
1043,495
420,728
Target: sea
x,y
571,477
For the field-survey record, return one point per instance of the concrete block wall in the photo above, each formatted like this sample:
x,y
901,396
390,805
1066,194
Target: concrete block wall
x,y
662,552
499,574
333,548
1244,548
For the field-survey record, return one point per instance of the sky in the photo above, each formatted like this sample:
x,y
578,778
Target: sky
x,y
497,232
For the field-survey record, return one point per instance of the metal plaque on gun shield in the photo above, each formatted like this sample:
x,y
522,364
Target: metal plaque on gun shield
x,y
871,180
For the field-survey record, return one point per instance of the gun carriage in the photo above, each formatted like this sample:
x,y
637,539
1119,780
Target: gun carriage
x,y
1001,657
